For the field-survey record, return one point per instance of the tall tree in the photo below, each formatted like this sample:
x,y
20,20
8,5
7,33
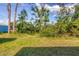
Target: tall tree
x,y
9,15
63,19
21,23
76,13
41,15
15,12
45,15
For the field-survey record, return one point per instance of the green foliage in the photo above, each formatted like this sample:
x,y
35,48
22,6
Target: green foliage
x,y
11,25
76,14
42,17
66,22
75,27
49,31
21,23
26,28
61,27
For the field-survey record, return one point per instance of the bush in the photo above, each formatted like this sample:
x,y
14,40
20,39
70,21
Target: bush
x,y
48,32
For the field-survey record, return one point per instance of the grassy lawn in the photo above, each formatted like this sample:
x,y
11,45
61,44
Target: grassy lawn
x,y
22,44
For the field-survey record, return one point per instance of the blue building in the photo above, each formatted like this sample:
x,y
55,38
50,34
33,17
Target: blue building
x,y
3,28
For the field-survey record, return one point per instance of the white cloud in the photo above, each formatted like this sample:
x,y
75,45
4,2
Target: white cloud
x,y
56,8
71,7
3,22
52,8
38,5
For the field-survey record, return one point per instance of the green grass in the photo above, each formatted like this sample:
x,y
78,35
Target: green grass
x,y
12,44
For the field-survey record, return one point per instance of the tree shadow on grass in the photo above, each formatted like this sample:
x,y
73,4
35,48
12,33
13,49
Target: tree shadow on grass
x,y
48,51
3,40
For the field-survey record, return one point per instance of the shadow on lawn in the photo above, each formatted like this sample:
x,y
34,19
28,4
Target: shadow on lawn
x,y
48,51
3,40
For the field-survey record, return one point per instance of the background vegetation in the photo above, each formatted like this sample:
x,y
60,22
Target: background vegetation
x,y
67,22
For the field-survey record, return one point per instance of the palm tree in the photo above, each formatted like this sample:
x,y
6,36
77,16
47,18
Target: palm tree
x,y
76,13
45,15
64,20
9,15
14,23
41,15
21,23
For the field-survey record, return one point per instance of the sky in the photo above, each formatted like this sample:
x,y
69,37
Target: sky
x,y
53,9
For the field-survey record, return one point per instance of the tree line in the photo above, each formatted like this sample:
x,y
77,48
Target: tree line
x,y
67,21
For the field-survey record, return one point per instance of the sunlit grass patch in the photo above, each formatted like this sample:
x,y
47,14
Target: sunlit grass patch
x,y
11,47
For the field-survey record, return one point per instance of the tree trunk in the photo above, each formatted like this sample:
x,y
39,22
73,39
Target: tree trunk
x,y
14,23
9,16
